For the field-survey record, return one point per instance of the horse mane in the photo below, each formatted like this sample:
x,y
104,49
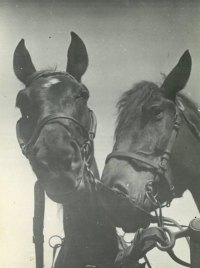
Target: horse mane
x,y
131,102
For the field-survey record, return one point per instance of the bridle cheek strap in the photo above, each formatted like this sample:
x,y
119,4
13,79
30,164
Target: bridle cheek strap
x,y
165,157
93,125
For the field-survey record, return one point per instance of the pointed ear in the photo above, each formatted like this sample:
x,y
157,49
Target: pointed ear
x,y
77,57
178,77
22,63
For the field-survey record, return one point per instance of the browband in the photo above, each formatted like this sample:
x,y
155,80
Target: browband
x,y
31,79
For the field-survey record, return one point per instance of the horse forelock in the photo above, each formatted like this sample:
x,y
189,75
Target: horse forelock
x,y
130,105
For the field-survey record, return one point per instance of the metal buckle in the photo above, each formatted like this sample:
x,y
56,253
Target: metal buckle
x,y
38,239
162,167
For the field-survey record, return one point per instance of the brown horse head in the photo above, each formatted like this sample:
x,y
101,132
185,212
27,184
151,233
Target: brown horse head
x,y
146,119
55,117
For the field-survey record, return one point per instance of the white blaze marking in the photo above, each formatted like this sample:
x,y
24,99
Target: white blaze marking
x,y
52,81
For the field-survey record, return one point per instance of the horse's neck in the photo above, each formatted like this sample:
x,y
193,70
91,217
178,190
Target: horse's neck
x,y
185,161
85,225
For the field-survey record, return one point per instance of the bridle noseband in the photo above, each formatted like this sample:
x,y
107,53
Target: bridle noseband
x,y
53,118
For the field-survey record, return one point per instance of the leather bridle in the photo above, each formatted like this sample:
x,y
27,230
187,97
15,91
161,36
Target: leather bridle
x,y
26,147
53,118
159,169
59,118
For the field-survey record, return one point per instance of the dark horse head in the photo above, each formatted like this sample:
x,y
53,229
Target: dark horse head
x,y
55,118
148,163
56,133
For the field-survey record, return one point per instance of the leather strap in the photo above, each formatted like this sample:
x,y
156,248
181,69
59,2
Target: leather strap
x,y
46,74
49,119
38,224
133,157
54,118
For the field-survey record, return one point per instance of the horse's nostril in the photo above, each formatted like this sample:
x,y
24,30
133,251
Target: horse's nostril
x,y
67,162
121,188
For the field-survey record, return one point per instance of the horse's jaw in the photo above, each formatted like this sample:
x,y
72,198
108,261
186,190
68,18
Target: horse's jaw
x,y
123,212
138,219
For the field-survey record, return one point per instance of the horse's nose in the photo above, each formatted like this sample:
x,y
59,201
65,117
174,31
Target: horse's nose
x,y
40,156
57,154
68,156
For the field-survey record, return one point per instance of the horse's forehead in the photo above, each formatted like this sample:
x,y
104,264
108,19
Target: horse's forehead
x,y
51,81
156,97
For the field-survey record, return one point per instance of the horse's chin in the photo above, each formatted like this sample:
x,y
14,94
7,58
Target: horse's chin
x,y
56,185
124,214
129,223
138,219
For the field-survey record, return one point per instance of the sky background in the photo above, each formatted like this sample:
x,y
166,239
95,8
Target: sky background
x,y
127,41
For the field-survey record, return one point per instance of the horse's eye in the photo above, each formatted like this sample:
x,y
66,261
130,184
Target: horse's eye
x,y
157,112
84,95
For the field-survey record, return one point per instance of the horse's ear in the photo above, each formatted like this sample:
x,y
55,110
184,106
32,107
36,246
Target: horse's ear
x,y
178,77
22,63
77,57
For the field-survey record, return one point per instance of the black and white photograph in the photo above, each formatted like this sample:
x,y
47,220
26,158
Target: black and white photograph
x,y
100,133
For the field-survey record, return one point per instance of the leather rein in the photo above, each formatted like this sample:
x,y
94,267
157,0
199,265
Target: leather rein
x,y
26,147
89,135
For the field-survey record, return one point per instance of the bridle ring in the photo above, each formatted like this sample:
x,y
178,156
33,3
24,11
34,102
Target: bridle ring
x,y
53,246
